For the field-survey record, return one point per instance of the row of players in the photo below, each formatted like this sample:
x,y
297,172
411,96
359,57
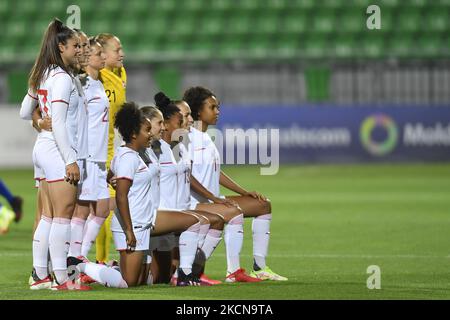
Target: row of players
x,y
167,192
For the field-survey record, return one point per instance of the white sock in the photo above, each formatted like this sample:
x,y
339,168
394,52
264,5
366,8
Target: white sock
x,y
107,276
202,234
188,247
261,234
234,237
59,241
76,236
91,231
211,242
89,218
40,246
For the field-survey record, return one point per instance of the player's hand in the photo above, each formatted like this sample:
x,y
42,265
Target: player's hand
x,y
131,240
45,123
256,195
113,182
72,173
229,203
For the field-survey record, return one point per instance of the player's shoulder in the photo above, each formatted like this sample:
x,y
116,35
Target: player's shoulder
x,y
56,72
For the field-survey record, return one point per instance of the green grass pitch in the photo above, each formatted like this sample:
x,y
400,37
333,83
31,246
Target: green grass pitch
x,y
329,224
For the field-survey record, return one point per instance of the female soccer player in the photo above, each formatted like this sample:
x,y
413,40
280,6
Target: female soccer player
x,y
95,193
167,221
175,192
114,79
52,79
234,229
206,168
137,216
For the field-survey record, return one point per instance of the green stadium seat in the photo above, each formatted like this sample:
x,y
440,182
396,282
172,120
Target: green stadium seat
x,y
221,5
324,21
303,4
287,45
157,25
389,3
231,47
371,45
419,3
203,46
430,45
400,45
192,7
344,46
352,20
240,23
266,23
258,46
183,25
409,20
316,46
437,20
295,23
251,5
212,24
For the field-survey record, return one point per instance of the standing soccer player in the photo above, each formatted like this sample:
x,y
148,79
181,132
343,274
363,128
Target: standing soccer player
x,y
56,153
114,80
94,194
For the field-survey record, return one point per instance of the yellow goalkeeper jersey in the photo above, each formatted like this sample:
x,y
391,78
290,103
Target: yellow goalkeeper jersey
x,y
115,88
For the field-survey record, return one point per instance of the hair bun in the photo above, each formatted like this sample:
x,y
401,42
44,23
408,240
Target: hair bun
x,y
161,100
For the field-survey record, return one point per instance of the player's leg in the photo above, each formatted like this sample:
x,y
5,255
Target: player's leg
x,y
188,226
41,275
131,267
216,224
100,211
103,241
234,234
63,199
262,213
77,226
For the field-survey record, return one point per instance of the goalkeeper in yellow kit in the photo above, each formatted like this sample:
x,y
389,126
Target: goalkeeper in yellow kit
x,y
114,80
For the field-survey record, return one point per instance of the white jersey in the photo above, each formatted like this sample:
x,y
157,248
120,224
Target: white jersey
x,y
98,120
205,163
184,178
169,178
127,164
58,88
155,170
81,135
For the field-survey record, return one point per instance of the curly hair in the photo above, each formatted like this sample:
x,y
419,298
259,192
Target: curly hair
x,y
128,120
195,97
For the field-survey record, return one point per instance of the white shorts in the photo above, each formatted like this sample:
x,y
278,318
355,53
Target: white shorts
x,y
94,185
163,243
142,240
50,163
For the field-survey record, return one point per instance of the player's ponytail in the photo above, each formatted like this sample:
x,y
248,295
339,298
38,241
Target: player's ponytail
x,y
167,107
49,54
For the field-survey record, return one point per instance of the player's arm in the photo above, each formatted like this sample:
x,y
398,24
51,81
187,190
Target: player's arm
x,y
228,183
201,190
29,103
40,123
125,170
122,189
